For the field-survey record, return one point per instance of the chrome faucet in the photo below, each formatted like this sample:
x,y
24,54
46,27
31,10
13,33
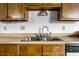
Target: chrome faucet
x,y
44,28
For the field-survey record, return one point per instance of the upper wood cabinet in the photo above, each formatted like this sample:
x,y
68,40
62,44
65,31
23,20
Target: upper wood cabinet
x,y
16,10
12,11
42,5
70,11
3,10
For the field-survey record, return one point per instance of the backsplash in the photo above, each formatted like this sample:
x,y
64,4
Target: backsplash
x,y
34,28
34,24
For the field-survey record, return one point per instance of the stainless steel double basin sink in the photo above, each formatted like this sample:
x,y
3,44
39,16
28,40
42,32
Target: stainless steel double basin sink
x,y
41,38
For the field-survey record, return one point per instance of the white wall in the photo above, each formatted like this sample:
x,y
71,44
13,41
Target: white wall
x,y
33,18
36,22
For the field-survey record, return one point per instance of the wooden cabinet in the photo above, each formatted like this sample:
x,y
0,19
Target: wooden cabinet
x,y
2,53
16,10
8,50
31,50
42,5
70,11
54,50
12,11
3,10
43,50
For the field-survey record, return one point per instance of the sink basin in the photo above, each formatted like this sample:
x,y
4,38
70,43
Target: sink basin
x,y
54,39
42,38
51,39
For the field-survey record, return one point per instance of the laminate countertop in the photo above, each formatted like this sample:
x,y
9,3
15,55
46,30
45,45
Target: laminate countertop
x,y
15,40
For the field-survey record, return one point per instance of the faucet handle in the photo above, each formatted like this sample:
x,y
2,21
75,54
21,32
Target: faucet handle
x,y
39,30
35,34
50,34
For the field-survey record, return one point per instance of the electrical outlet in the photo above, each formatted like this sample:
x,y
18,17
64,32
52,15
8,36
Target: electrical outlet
x,y
5,28
22,28
63,28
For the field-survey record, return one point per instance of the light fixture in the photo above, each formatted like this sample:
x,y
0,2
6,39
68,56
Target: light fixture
x,y
42,13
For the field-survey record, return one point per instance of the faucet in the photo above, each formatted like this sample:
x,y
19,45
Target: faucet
x,y
44,28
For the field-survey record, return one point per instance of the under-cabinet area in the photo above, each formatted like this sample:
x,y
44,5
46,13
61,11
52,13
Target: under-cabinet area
x,y
32,50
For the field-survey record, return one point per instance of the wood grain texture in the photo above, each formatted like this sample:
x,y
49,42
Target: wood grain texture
x,y
54,50
8,50
31,50
3,10
43,50
16,10
70,11
2,48
42,5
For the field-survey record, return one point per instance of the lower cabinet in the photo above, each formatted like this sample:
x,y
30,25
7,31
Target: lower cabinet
x,y
43,50
2,50
31,50
54,50
8,50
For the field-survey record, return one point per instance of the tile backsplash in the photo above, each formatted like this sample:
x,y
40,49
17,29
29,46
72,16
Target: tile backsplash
x,y
34,24
34,28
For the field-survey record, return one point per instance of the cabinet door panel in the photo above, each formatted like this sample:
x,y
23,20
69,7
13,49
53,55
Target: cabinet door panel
x,y
3,10
16,10
31,50
11,50
70,11
2,53
8,50
53,50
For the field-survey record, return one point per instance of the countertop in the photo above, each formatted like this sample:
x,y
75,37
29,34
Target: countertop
x,y
18,41
12,38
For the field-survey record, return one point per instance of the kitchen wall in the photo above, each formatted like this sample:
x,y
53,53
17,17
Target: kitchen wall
x,y
36,22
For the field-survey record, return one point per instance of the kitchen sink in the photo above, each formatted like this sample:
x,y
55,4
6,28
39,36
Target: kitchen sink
x,y
42,38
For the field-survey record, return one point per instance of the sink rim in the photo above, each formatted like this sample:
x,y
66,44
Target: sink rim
x,y
47,39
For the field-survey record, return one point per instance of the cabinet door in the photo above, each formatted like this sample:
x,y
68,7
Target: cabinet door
x,y
54,50
70,11
31,50
16,11
3,10
2,49
11,49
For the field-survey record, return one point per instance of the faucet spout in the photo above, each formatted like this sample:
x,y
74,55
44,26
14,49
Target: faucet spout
x,y
44,28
